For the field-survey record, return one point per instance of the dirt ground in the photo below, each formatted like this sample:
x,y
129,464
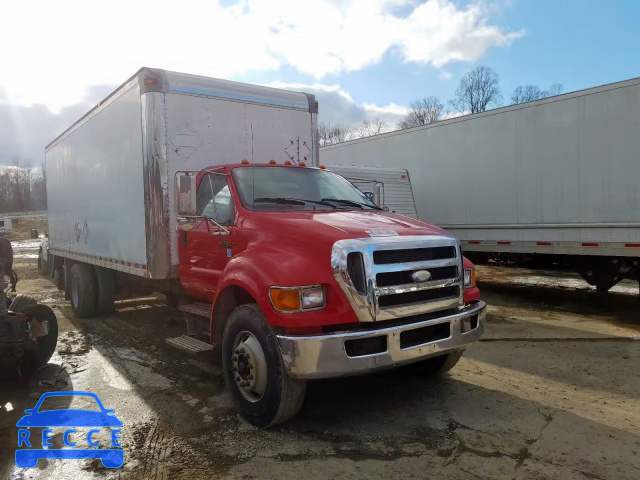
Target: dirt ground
x,y
21,226
551,392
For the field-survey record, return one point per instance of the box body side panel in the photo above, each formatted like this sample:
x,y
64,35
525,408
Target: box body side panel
x,y
95,189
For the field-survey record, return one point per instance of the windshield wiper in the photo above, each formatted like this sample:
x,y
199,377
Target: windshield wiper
x,y
292,201
352,203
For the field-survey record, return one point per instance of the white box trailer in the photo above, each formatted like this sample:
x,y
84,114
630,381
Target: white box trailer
x,y
393,184
558,176
110,176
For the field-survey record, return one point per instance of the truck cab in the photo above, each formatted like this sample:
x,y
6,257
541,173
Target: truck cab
x,y
307,278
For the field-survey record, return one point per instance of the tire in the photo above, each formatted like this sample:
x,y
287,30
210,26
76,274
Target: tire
x,y
282,396
106,283
43,265
436,365
24,304
82,290
45,345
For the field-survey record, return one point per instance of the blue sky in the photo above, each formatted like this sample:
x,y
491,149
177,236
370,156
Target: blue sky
x,y
362,58
578,43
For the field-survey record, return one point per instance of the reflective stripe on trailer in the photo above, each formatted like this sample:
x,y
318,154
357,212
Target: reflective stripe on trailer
x,y
112,263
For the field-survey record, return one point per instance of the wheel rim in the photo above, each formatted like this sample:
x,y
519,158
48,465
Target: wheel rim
x,y
249,366
75,295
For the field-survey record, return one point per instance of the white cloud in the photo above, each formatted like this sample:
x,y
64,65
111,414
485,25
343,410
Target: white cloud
x,y
338,106
445,75
52,51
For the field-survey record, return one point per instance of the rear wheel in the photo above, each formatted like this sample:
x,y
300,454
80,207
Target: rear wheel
x,y
83,290
436,365
43,264
106,283
259,384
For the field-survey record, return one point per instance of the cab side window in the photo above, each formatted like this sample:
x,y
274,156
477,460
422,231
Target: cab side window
x,y
214,199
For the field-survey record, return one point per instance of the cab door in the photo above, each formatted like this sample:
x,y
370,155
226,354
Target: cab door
x,y
206,249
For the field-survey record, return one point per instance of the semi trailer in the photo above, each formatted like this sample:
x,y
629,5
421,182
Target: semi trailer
x,y
210,192
554,181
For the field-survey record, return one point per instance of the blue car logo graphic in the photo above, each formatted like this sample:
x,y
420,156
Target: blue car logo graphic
x,y
69,419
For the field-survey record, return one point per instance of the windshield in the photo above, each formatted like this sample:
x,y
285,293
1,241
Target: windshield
x,y
281,188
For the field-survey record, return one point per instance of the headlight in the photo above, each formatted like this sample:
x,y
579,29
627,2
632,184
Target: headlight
x,y
469,277
297,299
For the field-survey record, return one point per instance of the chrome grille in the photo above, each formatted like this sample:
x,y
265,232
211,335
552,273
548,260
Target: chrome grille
x,y
383,257
388,290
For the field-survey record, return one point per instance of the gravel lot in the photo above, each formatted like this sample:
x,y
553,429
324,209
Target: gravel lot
x,y
551,392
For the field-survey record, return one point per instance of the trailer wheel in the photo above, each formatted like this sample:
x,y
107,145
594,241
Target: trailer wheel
x,y
260,387
83,290
43,265
45,345
106,282
436,365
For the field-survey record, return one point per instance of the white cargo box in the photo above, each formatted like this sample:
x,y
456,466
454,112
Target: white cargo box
x,y
5,225
110,176
398,197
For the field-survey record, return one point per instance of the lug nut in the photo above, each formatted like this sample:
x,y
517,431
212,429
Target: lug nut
x,y
234,369
247,356
238,351
235,358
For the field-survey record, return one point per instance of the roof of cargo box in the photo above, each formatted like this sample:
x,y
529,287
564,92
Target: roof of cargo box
x,y
174,82
164,81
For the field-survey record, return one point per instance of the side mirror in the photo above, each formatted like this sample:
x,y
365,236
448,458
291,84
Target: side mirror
x,y
378,194
185,195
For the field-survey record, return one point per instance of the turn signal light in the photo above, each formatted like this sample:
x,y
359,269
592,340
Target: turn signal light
x,y
150,81
297,299
285,299
469,277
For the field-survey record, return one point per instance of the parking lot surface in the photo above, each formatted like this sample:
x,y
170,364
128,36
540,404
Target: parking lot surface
x,y
551,392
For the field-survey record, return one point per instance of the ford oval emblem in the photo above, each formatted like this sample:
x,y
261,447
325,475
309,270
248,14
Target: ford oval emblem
x,y
421,276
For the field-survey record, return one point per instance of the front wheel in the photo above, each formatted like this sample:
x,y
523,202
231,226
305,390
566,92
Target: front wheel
x,y
259,384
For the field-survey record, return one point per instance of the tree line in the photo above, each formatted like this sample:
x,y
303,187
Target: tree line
x,y
22,189
479,90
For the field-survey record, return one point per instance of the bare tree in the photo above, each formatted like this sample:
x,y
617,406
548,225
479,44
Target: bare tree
x,y
423,112
477,91
529,93
555,89
367,128
332,133
21,189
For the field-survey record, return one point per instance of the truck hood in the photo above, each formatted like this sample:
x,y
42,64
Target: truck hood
x,y
333,226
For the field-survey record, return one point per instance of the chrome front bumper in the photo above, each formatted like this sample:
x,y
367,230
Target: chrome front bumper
x,y
325,356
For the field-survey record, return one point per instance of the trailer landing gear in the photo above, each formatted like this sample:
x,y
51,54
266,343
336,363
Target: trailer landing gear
x,y
606,272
